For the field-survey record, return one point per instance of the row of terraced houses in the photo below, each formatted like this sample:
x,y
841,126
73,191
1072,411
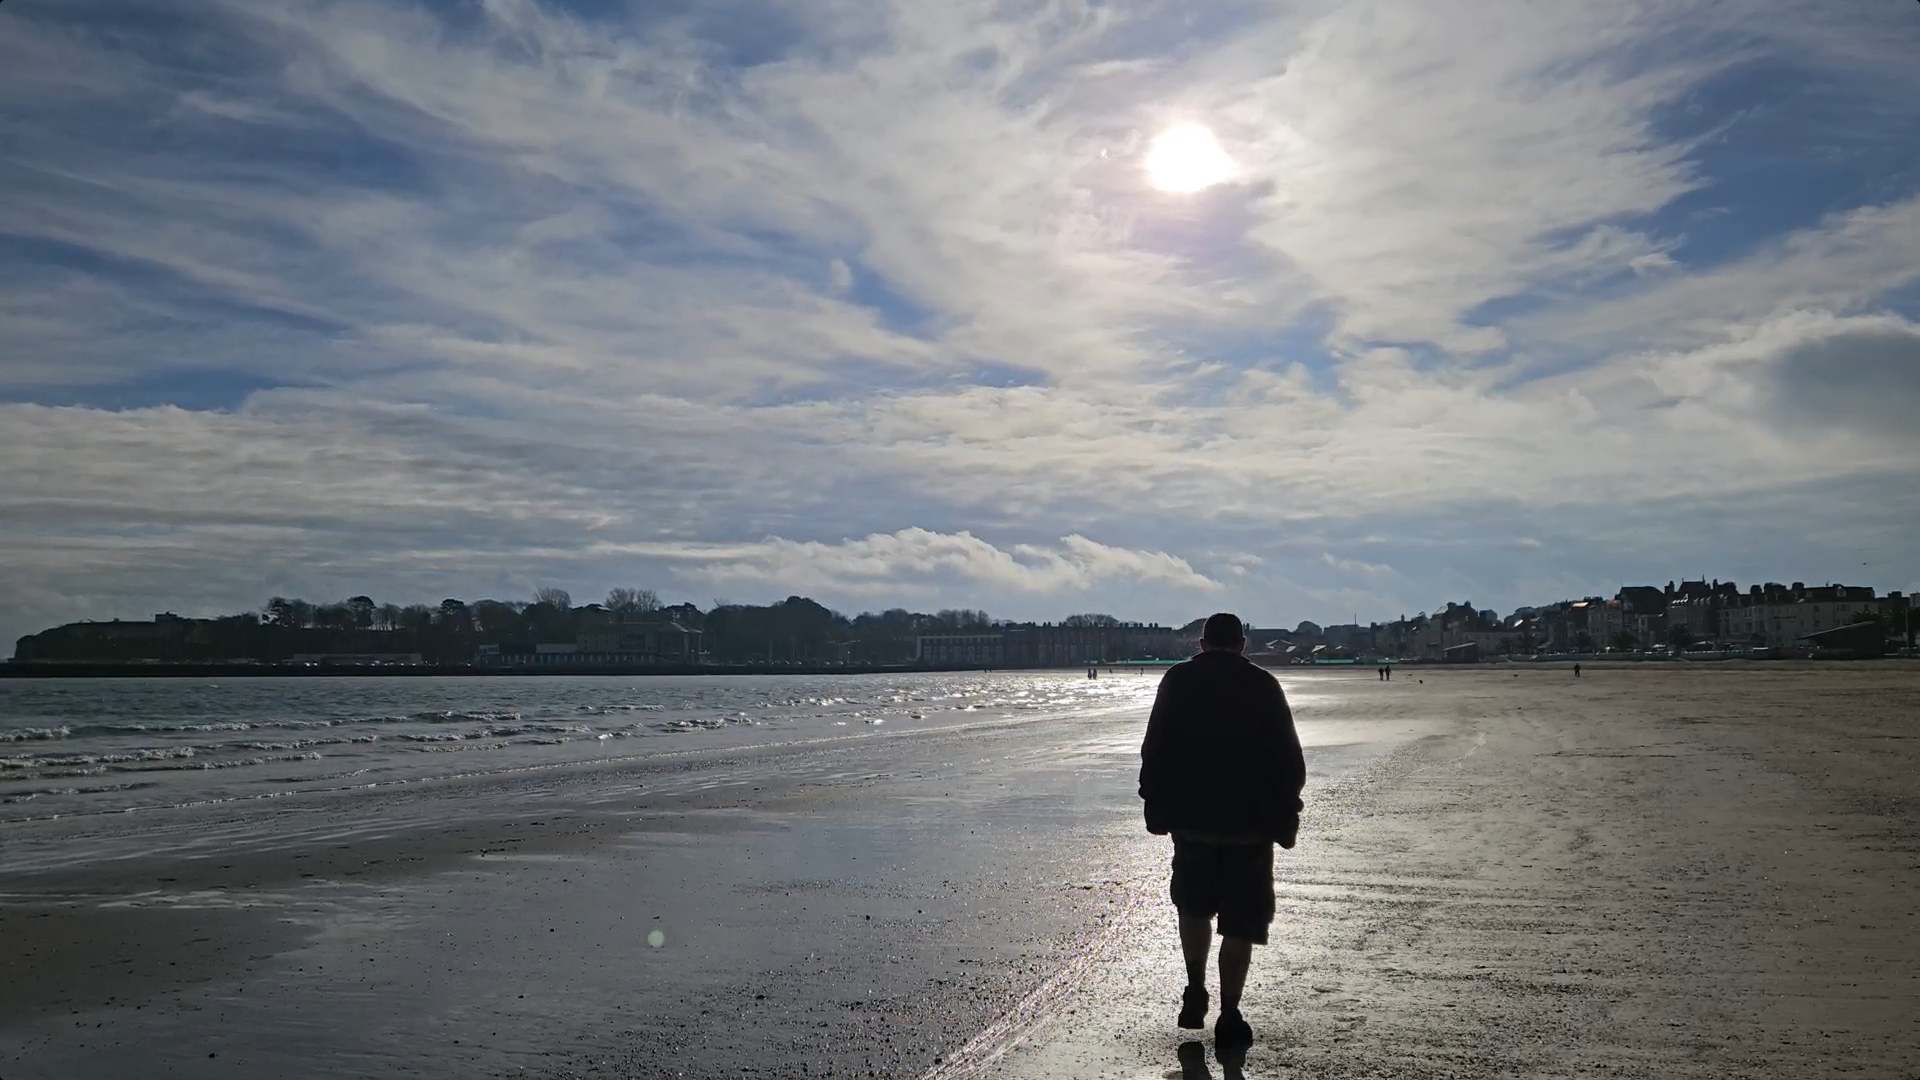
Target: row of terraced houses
x,y
1683,615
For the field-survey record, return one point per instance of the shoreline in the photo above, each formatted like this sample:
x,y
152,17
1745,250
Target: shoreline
x,y
14,669
36,670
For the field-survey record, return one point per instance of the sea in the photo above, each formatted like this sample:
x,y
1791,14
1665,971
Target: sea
x,y
71,747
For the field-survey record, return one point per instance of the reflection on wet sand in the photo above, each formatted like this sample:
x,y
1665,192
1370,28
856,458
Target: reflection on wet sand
x,y
1193,1064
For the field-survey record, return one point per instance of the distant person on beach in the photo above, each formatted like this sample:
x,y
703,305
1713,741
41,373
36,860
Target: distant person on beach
x,y
1221,770
1576,671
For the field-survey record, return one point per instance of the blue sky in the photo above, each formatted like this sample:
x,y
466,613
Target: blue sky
x,y
873,301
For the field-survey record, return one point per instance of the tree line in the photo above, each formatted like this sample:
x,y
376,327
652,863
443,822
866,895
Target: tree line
x,y
794,630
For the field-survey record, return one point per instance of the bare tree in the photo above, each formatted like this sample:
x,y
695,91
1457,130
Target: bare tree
x,y
629,602
557,599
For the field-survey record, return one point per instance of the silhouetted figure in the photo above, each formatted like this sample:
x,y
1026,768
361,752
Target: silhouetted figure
x,y
1221,770
1576,671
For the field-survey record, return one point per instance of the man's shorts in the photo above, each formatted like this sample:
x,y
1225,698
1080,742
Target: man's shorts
x,y
1232,881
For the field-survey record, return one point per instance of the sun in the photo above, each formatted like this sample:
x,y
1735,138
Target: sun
x,y
1186,159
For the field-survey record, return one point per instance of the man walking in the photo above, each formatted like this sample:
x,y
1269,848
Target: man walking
x,y
1221,770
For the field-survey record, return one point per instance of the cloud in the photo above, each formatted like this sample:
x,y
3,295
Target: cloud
x,y
362,289
1844,263
1362,125
1864,377
1820,384
1355,566
910,561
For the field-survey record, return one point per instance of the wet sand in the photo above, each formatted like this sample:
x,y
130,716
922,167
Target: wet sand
x,y
1664,873
1676,872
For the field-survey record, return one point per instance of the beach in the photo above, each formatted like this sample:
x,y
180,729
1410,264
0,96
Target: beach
x,y
1684,871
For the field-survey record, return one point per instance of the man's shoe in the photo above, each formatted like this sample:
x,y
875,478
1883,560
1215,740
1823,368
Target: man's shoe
x,y
1231,1032
1193,1007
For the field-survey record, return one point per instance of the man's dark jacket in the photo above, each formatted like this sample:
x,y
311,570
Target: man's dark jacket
x,y
1221,755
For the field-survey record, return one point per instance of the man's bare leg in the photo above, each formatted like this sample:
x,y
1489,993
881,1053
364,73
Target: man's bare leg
x,y
1236,955
1196,941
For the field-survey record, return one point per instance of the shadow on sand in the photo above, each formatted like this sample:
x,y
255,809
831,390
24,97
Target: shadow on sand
x,y
1193,1063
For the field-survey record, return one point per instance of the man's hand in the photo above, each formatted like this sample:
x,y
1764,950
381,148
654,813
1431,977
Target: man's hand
x,y
1287,830
1154,824
1283,826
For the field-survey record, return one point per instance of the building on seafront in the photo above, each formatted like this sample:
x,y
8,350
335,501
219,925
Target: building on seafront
x,y
1042,645
984,649
1857,641
1779,616
165,638
603,639
1688,615
1695,607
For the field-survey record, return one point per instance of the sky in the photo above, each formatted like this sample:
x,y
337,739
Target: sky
x,y
876,301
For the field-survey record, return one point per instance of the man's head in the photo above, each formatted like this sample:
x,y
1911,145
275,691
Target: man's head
x,y
1223,633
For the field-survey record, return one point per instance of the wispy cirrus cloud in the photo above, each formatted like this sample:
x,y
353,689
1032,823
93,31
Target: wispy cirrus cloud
x,y
922,562
1355,566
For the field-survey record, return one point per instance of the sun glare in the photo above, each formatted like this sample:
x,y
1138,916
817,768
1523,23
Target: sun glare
x,y
1186,159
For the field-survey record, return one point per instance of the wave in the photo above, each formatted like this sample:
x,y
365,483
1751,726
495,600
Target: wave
x,y
162,727
709,723
302,744
35,734
500,732
447,748
150,728
223,763
29,794
62,773
56,761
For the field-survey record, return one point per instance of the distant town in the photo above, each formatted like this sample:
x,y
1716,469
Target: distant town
x,y
632,630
